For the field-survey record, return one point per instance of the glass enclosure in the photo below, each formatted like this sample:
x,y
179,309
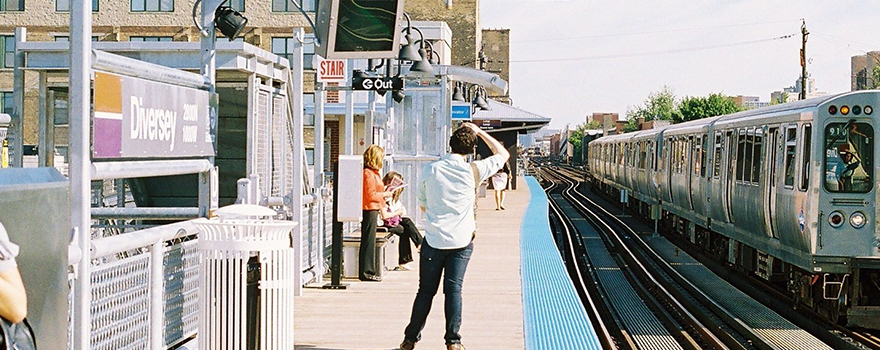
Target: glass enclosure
x,y
849,157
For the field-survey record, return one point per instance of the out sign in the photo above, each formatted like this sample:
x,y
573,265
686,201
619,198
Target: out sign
x,y
332,71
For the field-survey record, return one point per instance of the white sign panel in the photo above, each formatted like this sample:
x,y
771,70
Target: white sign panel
x,y
351,188
332,71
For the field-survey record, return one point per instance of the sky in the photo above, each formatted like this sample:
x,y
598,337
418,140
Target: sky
x,y
571,58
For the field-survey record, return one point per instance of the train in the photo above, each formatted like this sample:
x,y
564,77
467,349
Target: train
x,y
785,192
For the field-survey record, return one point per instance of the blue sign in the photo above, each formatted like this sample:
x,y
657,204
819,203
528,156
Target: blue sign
x,y
461,112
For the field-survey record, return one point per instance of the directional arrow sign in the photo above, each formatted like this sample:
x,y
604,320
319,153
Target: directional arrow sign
x,y
377,83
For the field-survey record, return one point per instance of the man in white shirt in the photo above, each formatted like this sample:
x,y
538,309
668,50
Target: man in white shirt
x,y
447,196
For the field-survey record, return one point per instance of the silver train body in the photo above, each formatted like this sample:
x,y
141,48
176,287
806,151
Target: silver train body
x,y
787,192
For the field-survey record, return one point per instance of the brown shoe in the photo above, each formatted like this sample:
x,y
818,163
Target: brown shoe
x,y
407,345
456,346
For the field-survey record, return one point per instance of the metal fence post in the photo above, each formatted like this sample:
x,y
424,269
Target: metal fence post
x,y
157,296
296,77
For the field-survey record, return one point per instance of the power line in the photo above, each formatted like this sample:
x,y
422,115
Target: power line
x,y
647,32
651,53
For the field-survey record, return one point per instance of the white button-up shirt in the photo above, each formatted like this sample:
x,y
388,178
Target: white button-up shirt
x,y
446,191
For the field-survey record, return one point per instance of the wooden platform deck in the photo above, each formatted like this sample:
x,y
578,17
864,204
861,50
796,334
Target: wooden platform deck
x,y
370,315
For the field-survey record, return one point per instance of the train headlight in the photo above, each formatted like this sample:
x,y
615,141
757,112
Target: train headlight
x,y
844,110
857,110
832,109
857,220
836,219
869,110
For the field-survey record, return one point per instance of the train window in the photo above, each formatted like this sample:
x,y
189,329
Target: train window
x,y
718,146
790,144
805,168
653,155
704,143
747,162
697,154
740,154
757,155
849,157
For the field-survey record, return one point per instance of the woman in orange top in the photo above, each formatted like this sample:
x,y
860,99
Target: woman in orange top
x,y
373,202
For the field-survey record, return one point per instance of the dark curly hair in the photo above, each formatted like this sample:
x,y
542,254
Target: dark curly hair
x,y
463,141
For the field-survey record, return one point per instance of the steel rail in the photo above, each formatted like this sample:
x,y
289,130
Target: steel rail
x,y
663,289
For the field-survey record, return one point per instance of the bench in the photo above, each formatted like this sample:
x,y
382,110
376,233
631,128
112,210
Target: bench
x,y
386,252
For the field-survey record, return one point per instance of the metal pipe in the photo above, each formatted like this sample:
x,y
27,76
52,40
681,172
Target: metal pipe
x,y
100,248
296,85
145,213
157,296
149,168
79,109
16,145
112,63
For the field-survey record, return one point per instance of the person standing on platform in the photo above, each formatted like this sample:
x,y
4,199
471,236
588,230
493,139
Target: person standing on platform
x,y
447,195
500,181
373,202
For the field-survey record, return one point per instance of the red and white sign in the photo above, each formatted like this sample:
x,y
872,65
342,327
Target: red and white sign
x,y
332,71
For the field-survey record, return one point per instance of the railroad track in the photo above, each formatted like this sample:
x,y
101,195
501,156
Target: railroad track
x,y
703,323
833,334
683,326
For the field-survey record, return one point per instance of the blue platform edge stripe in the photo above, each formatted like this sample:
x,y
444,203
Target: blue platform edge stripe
x,y
553,316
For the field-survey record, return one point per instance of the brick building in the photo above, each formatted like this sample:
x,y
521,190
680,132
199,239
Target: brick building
x,y
269,27
496,57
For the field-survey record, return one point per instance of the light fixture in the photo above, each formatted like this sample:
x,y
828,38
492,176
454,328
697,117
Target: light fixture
x,y
456,93
423,66
229,22
836,219
398,96
408,52
479,100
857,220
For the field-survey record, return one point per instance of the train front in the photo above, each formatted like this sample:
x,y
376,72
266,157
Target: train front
x,y
846,243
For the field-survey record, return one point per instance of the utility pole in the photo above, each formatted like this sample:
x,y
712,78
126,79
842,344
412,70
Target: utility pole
x,y
804,34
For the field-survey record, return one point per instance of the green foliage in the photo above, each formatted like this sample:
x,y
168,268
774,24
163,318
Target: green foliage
x,y
692,108
632,124
662,105
876,74
783,98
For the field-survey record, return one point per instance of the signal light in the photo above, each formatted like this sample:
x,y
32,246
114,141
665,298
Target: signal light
x,y
836,219
857,220
844,110
832,109
869,110
857,110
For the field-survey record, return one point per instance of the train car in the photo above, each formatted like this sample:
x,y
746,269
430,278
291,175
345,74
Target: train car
x,y
786,192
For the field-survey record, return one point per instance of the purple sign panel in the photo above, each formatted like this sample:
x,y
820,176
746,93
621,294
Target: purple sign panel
x,y
137,118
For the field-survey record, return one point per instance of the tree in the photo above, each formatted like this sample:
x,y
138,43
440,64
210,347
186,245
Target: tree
x,y
876,74
660,105
692,108
575,138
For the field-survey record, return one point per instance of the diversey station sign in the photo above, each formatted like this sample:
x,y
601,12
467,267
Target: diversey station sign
x,y
137,118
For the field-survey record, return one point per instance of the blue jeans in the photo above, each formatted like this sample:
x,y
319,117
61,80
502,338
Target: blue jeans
x,y
432,264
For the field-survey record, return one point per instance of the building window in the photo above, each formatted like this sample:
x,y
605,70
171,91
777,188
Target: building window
x,y
66,38
64,5
7,51
152,5
6,102
237,5
151,38
288,6
283,46
11,5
